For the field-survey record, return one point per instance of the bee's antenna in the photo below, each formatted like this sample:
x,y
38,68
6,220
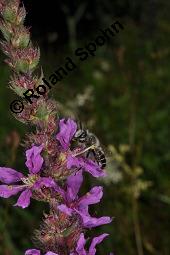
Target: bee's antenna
x,y
80,125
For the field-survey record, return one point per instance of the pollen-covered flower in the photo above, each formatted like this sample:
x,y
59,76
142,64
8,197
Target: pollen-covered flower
x,y
73,204
30,183
75,158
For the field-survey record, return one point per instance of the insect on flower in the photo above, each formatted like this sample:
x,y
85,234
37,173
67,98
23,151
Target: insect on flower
x,y
92,144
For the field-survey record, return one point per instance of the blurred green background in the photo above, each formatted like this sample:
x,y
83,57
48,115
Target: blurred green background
x,y
122,94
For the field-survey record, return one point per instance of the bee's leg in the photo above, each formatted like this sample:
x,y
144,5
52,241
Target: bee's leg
x,y
91,153
87,149
88,153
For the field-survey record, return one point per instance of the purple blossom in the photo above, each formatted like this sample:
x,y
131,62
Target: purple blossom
x,y
37,252
74,204
88,165
10,177
34,160
67,129
92,249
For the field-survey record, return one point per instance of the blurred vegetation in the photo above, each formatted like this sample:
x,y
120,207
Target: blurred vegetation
x,y
122,95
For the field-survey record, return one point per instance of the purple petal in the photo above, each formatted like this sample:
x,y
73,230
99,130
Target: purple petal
x,y
9,175
51,253
61,191
32,252
48,182
63,208
74,183
73,161
80,245
86,164
34,159
92,197
95,241
7,191
24,199
91,222
67,130
93,168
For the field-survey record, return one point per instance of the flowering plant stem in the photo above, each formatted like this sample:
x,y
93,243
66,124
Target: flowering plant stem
x,y
55,167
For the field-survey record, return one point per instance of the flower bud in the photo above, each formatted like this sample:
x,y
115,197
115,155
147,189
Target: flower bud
x,y
6,48
21,16
10,10
6,30
20,84
42,112
2,5
26,60
58,229
21,38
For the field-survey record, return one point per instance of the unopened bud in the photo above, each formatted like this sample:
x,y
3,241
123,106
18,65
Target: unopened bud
x,y
6,30
21,16
26,60
10,10
21,38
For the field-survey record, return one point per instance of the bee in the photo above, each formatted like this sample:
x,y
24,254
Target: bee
x,y
90,140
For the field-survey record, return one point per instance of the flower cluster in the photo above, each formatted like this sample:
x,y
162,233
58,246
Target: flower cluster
x,y
55,167
64,199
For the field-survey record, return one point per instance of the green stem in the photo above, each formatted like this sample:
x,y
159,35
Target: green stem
x,y
136,224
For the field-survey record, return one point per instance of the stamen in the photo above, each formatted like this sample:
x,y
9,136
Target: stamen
x,y
30,180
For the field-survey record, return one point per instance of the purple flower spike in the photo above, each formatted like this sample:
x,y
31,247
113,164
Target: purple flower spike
x,y
92,250
58,151
66,133
34,159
